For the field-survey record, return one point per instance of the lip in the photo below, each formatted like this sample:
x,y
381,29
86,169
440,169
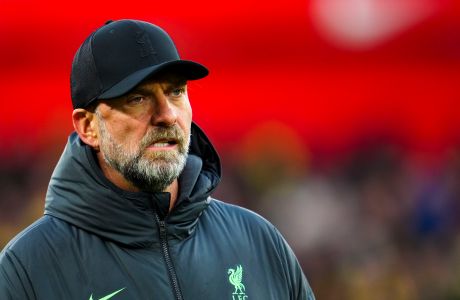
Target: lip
x,y
163,145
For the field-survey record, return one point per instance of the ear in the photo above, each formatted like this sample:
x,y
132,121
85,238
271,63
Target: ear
x,y
86,125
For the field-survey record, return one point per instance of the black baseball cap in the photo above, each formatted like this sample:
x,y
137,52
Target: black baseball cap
x,y
119,55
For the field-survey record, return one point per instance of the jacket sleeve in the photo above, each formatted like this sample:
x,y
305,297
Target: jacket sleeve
x,y
299,287
14,282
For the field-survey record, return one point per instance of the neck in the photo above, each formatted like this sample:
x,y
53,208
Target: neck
x,y
120,181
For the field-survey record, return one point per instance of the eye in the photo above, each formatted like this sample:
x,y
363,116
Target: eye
x,y
135,99
177,92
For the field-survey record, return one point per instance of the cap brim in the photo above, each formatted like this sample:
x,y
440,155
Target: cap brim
x,y
188,69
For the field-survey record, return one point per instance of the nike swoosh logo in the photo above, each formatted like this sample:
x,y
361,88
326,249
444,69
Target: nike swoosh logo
x,y
108,296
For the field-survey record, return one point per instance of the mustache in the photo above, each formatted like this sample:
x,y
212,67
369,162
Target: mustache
x,y
173,132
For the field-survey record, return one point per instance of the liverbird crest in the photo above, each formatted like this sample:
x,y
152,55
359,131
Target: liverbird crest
x,y
236,279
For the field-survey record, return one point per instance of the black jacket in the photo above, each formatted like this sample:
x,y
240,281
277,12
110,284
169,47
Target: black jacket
x,y
96,241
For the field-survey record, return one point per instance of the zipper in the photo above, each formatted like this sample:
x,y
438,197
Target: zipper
x,y
167,257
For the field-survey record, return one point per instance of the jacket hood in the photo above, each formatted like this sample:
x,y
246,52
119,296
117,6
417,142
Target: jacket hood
x,y
81,195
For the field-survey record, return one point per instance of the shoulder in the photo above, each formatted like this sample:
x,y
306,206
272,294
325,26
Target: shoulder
x,y
38,237
241,221
231,212
28,249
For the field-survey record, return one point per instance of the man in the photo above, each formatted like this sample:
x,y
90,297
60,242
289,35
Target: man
x,y
128,212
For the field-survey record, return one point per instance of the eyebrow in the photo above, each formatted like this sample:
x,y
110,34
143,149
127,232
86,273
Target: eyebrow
x,y
140,90
175,81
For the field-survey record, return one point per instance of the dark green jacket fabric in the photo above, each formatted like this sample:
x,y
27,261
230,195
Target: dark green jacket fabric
x,y
96,241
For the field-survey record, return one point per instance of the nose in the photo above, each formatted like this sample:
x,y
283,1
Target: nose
x,y
164,113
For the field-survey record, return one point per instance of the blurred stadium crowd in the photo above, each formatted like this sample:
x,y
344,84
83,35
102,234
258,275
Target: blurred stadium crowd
x,y
376,222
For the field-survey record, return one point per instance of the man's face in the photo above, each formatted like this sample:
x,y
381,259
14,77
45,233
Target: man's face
x,y
145,135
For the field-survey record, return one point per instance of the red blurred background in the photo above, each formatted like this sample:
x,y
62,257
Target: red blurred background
x,y
311,83
333,72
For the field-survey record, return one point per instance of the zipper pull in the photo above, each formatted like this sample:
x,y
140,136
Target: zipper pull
x,y
161,225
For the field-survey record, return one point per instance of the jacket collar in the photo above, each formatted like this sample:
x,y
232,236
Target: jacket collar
x,y
81,195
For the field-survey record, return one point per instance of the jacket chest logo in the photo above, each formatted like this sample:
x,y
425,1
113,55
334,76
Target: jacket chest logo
x,y
107,296
235,276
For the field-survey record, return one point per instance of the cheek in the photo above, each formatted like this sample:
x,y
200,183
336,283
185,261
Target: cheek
x,y
186,117
126,132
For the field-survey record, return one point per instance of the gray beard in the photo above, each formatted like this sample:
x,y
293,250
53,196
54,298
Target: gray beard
x,y
153,172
